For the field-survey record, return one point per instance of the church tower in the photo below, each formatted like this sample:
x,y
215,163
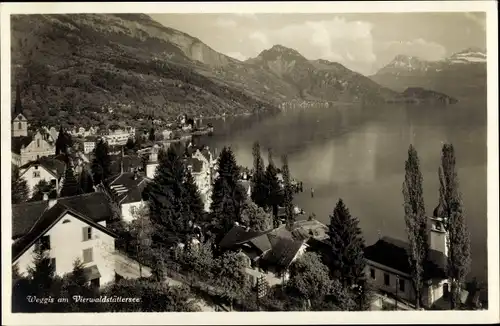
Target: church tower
x,y
19,121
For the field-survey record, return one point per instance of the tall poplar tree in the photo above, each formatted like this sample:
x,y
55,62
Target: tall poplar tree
x,y
416,221
458,237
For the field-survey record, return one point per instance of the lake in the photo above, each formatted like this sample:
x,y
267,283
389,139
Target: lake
x,y
358,153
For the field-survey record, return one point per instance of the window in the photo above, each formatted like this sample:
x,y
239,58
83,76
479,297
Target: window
x,y
53,182
95,283
401,285
38,143
66,221
87,233
372,273
19,126
87,255
36,174
53,263
446,290
386,279
45,242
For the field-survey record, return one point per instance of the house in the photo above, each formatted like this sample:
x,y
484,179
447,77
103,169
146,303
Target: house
x,y
389,271
31,147
151,163
267,253
88,145
126,190
67,229
47,169
201,165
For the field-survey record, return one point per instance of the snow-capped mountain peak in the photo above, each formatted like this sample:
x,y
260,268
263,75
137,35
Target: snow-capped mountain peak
x,y
470,55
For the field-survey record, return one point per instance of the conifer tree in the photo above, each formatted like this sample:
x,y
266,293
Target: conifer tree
x,y
19,187
458,237
41,273
165,198
259,189
101,165
287,194
347,244
152,134
86,182
273,188
61,142
228,194
193,199
70,187
416,221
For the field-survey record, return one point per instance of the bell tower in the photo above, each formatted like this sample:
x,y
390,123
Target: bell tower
x,y
19,121
438,236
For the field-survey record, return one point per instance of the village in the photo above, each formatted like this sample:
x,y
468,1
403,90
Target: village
x,y
80,183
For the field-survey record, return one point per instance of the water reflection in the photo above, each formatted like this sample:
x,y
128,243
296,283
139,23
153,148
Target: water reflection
x,y
358,153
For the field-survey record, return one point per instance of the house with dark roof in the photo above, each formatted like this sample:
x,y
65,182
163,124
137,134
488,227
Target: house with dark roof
x,y
267,253
43,169
388,267
126,190
67,229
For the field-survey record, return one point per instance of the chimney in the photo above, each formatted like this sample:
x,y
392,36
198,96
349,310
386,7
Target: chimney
x,y
51,203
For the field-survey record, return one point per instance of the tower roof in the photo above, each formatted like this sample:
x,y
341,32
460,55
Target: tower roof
x,y
439,210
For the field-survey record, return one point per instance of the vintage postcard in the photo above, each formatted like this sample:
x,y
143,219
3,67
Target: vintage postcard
x,y
249,163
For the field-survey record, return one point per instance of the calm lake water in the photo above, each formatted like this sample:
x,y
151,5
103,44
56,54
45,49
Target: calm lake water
x,y
358,154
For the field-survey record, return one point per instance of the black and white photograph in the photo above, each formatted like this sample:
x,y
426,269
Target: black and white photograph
x,y
243,159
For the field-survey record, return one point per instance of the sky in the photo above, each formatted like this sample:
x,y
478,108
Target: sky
x,y
362,42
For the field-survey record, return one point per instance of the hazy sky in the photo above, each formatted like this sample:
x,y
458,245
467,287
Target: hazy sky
x,y
362,42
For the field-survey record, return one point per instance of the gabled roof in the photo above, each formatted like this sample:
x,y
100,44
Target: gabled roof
x,y
19,117
54,166
93,205
127,187
239,235
89,208
393,253
195,164
283,252
277,245
18,142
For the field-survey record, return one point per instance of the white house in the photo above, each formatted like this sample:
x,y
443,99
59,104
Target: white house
x,y
67,229
50,170
201,165
389,271
152,161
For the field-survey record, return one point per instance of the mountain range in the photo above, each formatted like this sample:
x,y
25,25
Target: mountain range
x,y
462,74
72,67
